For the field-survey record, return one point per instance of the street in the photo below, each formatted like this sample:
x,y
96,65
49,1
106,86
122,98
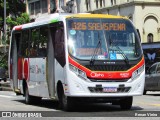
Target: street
x,y
150,102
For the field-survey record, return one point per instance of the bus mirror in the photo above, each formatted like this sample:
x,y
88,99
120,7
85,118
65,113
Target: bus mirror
x,y
139,34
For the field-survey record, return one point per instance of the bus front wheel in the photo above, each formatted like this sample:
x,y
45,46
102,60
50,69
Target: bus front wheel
x,y
126,103
66,103
144,92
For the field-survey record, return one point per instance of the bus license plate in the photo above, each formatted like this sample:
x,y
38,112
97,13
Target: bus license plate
x,y
110,89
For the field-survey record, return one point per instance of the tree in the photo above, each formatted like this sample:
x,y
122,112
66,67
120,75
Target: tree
x,y
3,60
22,19
13,7
15,11
12,21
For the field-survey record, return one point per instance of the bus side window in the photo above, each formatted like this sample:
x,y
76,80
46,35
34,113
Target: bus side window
x,y
33,44
57,34
42,43
59,42
18,39
24,43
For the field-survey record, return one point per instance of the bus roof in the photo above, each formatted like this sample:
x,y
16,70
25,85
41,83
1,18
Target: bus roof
x,y
51,18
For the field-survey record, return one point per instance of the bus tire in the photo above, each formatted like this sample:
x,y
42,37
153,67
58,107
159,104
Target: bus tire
x,y
28,98
126,103
144,92
66,103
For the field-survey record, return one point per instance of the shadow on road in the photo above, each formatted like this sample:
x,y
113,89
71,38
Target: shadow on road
x,y
153,94
83,107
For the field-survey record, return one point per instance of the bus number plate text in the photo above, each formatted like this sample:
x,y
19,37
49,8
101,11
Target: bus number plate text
x,y
110,89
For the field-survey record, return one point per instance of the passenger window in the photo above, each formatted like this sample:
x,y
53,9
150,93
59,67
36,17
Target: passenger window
x,y
42,42
33,44
24,43
59,42
17,38
57,34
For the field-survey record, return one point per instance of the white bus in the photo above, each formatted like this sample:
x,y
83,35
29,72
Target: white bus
x,y
77,58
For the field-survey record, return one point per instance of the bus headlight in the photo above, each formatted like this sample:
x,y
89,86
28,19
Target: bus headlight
x,y
78,72
137,72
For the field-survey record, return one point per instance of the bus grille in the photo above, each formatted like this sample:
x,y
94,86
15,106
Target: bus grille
x,y
108,80
100,90
108,67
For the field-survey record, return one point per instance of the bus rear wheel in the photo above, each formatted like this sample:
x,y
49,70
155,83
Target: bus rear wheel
x,y
126,103
31,99
28,98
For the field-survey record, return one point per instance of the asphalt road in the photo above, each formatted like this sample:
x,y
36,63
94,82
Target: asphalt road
x,y
148,105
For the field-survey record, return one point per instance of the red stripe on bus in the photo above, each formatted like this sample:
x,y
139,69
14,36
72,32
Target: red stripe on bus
x,y
18,27
118,75
26,69
20,60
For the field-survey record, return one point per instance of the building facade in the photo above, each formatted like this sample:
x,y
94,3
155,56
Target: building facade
x,y
143,13
37,8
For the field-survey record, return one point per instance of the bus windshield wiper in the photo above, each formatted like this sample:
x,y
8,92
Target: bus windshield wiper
x,y
122,53
95,50
119,49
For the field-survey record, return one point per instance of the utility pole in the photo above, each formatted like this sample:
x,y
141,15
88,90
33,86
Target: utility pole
x,y
4,26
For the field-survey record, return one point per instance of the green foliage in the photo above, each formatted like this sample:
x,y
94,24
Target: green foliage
x,y
22,19
15,9
3,60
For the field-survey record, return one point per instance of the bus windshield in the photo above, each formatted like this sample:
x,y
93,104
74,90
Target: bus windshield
x,y
102,39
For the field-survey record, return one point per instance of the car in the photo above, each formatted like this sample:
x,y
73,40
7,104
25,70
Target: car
x,y
3,74
152,78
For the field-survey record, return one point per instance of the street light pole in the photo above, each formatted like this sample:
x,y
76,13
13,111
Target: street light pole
x,y
5,26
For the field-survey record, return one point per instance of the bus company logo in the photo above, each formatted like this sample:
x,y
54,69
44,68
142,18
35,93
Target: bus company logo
x,y
124,75
93,74
109,75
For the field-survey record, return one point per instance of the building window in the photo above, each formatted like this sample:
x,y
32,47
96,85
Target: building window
x,y
53,6
61,3
88,5
150,38
78,5
44,6
31,8
37,7
113,2
100,2
40,6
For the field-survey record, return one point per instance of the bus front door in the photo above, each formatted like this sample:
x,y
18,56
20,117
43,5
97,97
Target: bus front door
x,y
15,50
